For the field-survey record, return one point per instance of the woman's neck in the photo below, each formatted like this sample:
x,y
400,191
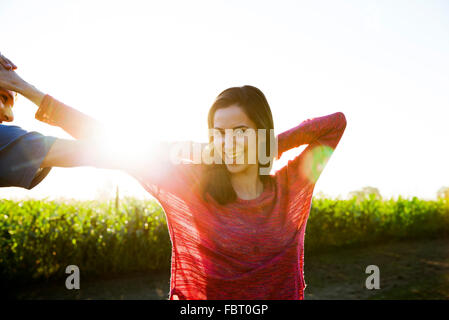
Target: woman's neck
x,y
247,184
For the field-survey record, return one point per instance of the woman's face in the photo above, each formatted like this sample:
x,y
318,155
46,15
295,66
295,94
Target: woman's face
x,y
233,136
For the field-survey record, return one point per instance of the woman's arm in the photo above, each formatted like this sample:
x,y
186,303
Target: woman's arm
x,y
322,135
51,111
326,130
72,121
56,113
299,176
151,163
89,150
75,153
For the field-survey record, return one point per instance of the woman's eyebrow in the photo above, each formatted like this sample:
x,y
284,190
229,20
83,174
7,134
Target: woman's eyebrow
x,y
237,127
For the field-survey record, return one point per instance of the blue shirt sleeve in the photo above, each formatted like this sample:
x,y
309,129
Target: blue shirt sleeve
x,y
21,155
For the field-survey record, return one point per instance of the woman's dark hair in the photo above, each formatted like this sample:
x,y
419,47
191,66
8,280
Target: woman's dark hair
x,y
216,179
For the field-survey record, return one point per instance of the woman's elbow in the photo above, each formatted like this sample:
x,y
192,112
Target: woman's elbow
x,y
341,120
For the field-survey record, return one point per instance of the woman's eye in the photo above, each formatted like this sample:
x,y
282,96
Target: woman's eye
x,y
217,134
239,131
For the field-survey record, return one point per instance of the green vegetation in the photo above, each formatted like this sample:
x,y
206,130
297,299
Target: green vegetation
x,y
38,239
336,223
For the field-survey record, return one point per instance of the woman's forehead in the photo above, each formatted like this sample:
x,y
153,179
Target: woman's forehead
x,y
231,117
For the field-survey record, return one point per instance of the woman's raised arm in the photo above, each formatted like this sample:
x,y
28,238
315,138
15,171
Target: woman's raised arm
x,y
326,130
322,135
52,111
72,121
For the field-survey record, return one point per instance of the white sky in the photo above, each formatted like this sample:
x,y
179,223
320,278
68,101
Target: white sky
x,y
158,66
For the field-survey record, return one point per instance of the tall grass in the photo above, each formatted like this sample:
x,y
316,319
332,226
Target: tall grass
x,y
337,223
38,239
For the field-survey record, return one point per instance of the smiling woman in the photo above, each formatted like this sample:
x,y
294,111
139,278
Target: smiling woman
x,y
235,114
237,232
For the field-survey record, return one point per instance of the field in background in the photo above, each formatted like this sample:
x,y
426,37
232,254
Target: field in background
x,y
108,240
408,270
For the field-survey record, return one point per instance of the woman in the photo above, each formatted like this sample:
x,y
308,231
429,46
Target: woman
x,y
236,233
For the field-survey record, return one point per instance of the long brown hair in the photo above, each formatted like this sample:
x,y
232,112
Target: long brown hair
x,y
216,179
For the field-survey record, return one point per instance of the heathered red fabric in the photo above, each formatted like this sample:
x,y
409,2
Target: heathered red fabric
x,y
248,249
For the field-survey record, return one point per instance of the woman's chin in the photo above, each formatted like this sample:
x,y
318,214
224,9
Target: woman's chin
x,y
236,168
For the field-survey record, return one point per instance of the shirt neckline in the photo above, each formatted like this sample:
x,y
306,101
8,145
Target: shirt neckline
x,y
267,188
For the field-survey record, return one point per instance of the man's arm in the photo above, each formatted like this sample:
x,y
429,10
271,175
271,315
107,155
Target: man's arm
x,y
21,155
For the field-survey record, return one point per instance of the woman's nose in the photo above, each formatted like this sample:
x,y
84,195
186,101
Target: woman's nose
x,y
228,143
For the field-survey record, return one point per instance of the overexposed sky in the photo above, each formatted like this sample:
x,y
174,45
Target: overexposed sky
x,y
155,67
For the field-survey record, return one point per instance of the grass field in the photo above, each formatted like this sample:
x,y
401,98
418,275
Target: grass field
x,y
417,269
408,239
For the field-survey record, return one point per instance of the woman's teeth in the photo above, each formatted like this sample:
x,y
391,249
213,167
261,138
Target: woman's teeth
x,y
235,155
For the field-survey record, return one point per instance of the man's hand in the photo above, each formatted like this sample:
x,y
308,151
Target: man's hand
x,y
6,63
10,80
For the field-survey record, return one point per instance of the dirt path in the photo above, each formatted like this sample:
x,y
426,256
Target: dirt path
x,y
408,270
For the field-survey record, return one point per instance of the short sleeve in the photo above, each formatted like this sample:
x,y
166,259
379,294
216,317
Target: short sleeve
x,y
21,155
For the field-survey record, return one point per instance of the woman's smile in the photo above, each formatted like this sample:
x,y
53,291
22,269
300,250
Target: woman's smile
x,y
238,156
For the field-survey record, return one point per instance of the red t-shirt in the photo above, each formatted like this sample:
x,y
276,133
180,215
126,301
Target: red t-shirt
x,y
248,249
